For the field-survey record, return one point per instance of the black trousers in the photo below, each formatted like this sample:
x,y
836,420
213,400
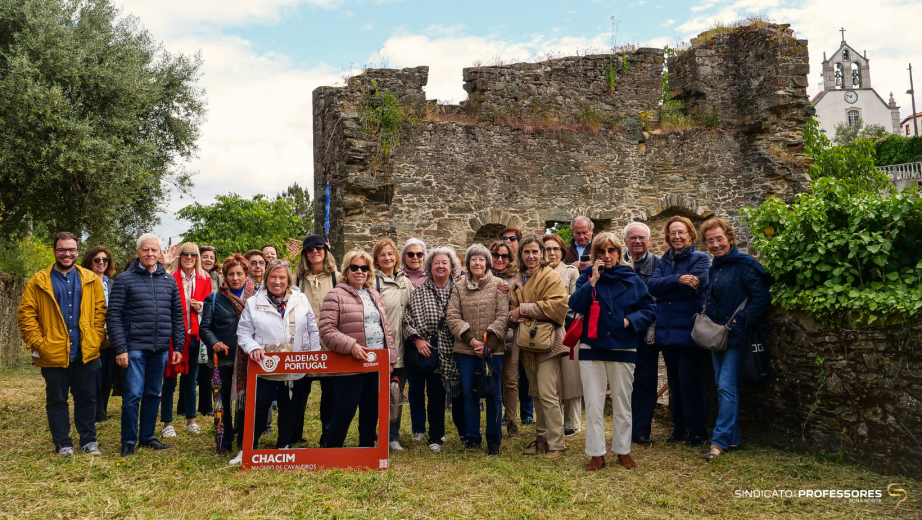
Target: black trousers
x,y
643,396
233,422
205,391
81,380
106,377
355,392
684,374
266,392
435,406
303,388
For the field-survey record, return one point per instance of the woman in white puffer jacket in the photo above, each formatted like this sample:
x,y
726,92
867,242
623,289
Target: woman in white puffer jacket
x,y
277,314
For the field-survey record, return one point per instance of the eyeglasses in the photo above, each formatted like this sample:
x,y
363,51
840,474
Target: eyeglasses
x,y
718,240
257,263
411,254
101,261
637,238
511,238
311,249
363,268
497,256
62,250
678,234
555,249
283,263
189,253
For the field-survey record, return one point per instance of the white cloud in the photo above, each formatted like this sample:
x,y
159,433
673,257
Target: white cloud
x,y
367,26
668,22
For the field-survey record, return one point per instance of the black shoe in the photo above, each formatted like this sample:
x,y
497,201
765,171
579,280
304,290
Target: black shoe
x,y
695,440
568,432
471,445
156,445
677,437
643,440
528,420
127,449
492,449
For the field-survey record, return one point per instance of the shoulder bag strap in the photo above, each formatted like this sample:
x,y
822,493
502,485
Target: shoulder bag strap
x,y
378,284
742,304
710,288
291,324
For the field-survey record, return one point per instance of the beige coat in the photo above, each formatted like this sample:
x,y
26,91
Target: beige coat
x,y
571,383
314,288
396,292
478,308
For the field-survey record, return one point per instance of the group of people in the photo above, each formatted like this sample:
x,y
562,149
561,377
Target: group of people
x,y
482,332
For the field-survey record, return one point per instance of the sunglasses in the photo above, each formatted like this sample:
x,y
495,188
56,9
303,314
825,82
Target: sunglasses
x,y
511,238
363,268
610,250
497,256
188,253
311,249
101,261
415,255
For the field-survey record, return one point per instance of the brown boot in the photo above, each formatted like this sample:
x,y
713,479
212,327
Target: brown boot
x,y
627,461
554,454
512,430
595,464
539,445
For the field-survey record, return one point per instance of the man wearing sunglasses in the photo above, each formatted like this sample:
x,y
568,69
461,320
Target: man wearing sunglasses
x,y
511,237
62,319
583,229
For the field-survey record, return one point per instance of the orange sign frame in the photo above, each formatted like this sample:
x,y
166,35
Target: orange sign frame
x,y
312,459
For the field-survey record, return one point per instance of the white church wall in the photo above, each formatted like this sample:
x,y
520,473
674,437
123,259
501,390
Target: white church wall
x,y
833,109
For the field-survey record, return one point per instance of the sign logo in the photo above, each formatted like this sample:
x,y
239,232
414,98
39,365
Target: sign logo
x,y
269,363
899,493
372,357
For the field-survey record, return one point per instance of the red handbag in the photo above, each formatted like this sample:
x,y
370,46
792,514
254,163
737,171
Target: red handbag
x,y
594,311
573,334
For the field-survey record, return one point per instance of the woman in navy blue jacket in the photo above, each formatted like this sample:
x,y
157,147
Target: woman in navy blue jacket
x,y
734,276
607,358
679,285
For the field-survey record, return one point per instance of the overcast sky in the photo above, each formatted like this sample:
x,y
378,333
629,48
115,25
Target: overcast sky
x,y
263,58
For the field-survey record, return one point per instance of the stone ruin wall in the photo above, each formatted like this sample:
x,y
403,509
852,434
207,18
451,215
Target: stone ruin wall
x,y
461,181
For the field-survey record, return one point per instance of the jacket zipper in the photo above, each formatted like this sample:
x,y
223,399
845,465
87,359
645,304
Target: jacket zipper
x,y
153,294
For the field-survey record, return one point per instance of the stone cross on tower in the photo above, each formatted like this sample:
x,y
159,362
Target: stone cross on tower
x,y
842,30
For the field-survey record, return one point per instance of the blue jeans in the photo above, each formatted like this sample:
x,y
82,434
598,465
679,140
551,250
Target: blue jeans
x,y
143,381
526,402
468,364
726,371
416,395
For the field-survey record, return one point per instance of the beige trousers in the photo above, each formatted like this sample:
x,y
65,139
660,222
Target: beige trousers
x,y
548,412
596,376
573,413
509,379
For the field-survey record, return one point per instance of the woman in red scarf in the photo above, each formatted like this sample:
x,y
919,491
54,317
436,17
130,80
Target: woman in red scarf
x,y
194,285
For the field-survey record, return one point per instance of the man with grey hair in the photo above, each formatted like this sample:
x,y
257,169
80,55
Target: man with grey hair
x,y
582,228
143,319
637,244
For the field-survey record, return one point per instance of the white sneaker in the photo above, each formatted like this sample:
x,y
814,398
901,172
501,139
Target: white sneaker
x,y
193,428
69,450
236,461
92,448
168,432
435,447
418,437
395,445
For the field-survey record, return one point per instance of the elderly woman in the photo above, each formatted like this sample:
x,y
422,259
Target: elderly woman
x,y
411,259
538,296
476,317
194,285
395,289
99,260
607,357
737,281
571,386
425,329
353,321
209,257
258,262
219,334
679,285
278,314
270,252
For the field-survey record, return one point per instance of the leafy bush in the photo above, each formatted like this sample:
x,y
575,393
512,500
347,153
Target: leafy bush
x,y
852,164
24,257
897,149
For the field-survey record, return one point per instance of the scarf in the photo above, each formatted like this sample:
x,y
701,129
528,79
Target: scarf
x,y
427,307
734,256
279,304
239,380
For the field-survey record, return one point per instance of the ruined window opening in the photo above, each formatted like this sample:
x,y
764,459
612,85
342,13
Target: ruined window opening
x,y
852,117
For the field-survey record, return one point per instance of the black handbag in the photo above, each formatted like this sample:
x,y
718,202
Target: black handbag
x,y
484,383
413,360
755,363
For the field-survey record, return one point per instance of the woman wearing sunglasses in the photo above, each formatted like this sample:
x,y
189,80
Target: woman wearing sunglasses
x,y
353,321
99,260
411,259
606,359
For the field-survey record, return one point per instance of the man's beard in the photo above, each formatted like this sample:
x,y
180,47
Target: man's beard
x,y
63,267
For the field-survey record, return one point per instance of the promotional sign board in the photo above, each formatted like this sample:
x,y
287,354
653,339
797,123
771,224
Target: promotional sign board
x,y
320,362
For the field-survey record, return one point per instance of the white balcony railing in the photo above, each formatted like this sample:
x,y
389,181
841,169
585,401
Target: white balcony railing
x,y
903,172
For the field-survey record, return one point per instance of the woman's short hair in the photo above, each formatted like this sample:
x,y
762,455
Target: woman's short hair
x,y
604,241
452,257
413,241
379,247
558,240
350,257
275,265
91,254
233,261
203,249
692,234
528,239
254,252
712,223
513,260
189,247
474,250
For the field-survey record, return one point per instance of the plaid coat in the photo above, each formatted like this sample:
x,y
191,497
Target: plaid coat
x,y
421,318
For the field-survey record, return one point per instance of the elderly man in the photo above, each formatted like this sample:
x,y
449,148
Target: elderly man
x,y
582,228
145,314
62,319
643,398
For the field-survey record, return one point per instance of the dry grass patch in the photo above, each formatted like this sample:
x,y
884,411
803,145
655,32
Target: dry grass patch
x,y
191,481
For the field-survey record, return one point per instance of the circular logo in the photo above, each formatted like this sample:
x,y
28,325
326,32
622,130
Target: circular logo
x,y
269,363
372,357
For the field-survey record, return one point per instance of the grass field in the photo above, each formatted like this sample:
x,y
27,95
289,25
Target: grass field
x,y
190,481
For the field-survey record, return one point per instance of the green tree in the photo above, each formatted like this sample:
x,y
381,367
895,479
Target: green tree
x,y
96,120
852,164
847,134
235,225
303,207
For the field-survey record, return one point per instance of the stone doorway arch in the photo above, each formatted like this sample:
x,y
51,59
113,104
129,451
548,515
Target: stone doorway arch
x,y
487,224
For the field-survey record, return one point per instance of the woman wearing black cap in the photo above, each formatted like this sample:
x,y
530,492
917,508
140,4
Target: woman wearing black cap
x,y
315,276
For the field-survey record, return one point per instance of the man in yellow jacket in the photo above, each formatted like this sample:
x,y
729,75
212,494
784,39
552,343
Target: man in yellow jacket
x,y
62,319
